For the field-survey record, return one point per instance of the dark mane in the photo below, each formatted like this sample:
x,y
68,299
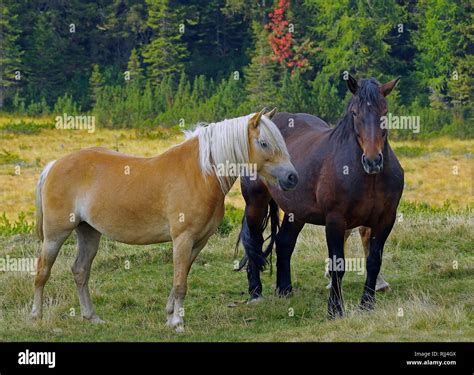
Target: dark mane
x,y
368,92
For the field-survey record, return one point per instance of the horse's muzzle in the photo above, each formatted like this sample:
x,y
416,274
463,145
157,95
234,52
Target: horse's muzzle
x,y
372,166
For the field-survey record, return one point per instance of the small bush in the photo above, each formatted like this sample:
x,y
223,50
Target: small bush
x,y
28,128
232,219
20,226
7,157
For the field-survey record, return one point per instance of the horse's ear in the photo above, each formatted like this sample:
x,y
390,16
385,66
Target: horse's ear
x,y
352,84
271,113
387,88
255,120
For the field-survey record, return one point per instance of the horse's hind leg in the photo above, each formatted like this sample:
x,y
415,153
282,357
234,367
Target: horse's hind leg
x,y
50,249
381,285
378,236
88,243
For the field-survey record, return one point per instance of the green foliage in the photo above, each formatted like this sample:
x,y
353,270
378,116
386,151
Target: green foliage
x,y
209,60
262,74
95,83
38,108
7,157
165,53
22,127
66,104
10,51
20,226
231,221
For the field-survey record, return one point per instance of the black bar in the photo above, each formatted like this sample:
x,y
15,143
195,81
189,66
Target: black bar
x,y
315,357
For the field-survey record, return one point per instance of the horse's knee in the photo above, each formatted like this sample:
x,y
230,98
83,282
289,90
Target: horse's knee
x,y
80,275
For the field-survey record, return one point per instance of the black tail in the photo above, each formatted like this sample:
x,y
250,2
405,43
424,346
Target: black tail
x,y
253,246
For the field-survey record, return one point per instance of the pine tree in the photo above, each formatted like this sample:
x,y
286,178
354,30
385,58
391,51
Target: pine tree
x,y
434,41
95,84
10,52
44,60
293,93
261,75
134,67
166,52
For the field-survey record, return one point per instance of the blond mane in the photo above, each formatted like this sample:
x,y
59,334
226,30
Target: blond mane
x,y
227,141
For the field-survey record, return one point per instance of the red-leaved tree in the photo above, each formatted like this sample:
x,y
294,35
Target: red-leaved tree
x,y
284,45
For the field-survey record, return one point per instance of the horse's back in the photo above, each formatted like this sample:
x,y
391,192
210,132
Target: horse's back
x,y
299,124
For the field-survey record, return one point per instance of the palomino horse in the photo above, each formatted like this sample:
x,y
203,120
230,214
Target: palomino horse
x,y
348,177
177,196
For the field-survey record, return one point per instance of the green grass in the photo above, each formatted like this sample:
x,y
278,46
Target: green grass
x,y
436,299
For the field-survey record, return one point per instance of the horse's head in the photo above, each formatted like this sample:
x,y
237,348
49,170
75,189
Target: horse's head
x,y
366,107
267,150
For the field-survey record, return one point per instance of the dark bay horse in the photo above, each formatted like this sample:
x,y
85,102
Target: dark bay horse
x,y
348,177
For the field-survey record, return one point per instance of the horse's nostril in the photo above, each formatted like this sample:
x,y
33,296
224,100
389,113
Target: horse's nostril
x,y
292,178
379,159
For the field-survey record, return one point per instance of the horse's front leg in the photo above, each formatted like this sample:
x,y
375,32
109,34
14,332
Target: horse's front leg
x,y
183,257
378,236
285,244
335,230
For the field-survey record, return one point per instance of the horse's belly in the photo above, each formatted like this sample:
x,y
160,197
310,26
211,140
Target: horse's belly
x,y
134,233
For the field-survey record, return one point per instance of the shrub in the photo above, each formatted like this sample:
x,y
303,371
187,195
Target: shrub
x,y
20,226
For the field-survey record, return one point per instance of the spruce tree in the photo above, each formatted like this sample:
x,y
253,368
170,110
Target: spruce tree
x,y
95,84
10,52
134,67
166,51
261,75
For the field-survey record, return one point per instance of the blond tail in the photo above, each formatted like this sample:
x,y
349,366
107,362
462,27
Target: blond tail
x,y
39,200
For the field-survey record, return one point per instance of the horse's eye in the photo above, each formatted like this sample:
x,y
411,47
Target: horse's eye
x,y
353,113
262,143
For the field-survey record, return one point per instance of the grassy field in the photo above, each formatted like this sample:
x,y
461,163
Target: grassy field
x,y
428,261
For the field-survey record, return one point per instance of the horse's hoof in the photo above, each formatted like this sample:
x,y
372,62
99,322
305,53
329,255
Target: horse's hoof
x,y
284,292
367,303
94,320
383,287
36,317
335,311
255,300
333,315
176,323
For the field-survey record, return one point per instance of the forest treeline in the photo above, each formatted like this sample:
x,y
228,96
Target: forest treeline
x,y
144,63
